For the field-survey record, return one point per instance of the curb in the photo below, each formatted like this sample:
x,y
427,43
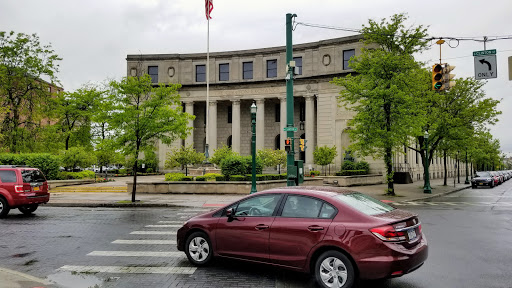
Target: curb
x,y
115,205
435,195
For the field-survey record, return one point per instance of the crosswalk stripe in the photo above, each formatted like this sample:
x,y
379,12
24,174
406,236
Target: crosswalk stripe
x,y
136,254
145,242
171,222
163,226
132,270
153,232
453,203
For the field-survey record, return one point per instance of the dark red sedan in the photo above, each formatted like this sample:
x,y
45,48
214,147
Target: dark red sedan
x,y
336,234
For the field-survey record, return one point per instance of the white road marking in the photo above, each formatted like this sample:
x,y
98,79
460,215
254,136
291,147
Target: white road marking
x,y
145,242
136,254
163,226
131,270
153,232
171,222
189,213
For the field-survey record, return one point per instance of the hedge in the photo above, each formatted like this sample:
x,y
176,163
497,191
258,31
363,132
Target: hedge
x,y
220,178
201,178
76,175
314,173
48,164
237,178
351,172
174,176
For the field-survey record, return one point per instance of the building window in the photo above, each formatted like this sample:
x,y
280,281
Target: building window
x,y
230,141
277,142
278,112
272,68
298,63
200,73
302,111
247,67
346,57
153,72
224,72
230,114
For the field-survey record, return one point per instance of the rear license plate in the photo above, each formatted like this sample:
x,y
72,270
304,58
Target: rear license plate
x,y
480,183
411,233
36,188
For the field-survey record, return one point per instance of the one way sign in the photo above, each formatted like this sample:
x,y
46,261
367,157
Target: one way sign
x,y
485,67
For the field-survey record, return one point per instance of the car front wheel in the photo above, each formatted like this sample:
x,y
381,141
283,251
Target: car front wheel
x,y
198,249
28,209
334,270
4,207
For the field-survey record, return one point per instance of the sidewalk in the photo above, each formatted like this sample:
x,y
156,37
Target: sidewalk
x,y
14,279
404,192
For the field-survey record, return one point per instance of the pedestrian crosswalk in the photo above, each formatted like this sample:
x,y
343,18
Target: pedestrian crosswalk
x,y
153,244
445,203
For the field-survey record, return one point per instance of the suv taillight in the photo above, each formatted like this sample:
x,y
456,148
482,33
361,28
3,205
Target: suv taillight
x,y
18,188
388,233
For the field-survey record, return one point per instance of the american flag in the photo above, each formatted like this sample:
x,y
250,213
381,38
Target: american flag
x,y
208,5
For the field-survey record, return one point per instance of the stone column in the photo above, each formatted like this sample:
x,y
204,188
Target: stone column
x,y
212,127
189,108
310,128
260,124
283,121
235,126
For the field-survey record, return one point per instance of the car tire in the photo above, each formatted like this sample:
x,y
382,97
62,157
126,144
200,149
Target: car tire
x,y
473,186
4,207
198,249
334,263
28,209
492,184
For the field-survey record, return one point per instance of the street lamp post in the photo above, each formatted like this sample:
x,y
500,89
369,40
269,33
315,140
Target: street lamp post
x,y
253,146
427,188
467,180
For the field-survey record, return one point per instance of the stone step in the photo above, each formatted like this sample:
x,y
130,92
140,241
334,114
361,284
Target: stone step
x,y
88,189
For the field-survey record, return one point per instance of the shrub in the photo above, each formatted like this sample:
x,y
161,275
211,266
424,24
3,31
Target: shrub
x,y
248,164
47,163
187,178
76,175
220,178
237,178
124,171
233,165
174,176
283,175
201,178
363,165
348,165
149,170
314,173
211,176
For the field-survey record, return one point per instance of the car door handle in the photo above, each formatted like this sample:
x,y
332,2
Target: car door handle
x,y
261,227
315,228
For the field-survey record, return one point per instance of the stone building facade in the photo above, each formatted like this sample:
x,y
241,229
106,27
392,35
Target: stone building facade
x,y
239,78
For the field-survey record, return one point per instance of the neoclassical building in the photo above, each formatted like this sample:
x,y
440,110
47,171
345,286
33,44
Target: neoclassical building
x,y
239,78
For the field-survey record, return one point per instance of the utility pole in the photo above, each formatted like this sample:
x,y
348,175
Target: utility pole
x,y
291,169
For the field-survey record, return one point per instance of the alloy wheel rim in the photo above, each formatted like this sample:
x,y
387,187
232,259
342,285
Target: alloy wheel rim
x,y
333,272
199,249
1,206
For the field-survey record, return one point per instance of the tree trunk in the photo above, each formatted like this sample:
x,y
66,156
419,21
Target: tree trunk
x,y
445,183
134,187
458,168
67,142
389,172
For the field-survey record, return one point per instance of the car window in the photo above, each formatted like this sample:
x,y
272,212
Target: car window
x,y
259,206
364,203
7,176
30,176
483,174
301,207
327,211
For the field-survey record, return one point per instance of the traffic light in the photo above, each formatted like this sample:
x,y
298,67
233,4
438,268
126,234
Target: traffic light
x,y
288,144
437,77
448,83
301,145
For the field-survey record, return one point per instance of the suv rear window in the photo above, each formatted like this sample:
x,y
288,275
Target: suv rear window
x,y
7,176
364,203
30,176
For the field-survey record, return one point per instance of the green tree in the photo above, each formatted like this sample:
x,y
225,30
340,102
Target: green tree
x,y
183,156
75,111
324,155
271,158
77,157
221,153
144,114
24,62
387,77
106,153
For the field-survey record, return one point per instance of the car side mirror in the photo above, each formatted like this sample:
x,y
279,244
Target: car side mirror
x,y
230,213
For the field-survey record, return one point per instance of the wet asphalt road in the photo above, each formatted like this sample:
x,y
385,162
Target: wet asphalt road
x,y
469,234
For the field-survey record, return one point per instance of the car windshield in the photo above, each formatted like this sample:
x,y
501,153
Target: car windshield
x,y
483,174
30,176
364,203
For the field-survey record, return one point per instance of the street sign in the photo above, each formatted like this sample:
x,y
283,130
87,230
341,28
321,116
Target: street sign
x,y
292,129
485,52
485,67
510,68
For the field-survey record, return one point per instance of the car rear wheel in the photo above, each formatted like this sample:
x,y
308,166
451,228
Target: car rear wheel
x,y
492,184
198,249
334,270
28,209
4,207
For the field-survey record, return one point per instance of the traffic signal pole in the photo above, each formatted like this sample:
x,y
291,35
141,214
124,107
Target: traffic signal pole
x,y
291,170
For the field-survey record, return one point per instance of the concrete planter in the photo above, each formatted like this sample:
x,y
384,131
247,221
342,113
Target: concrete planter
x,y
213,187
59,183
355,180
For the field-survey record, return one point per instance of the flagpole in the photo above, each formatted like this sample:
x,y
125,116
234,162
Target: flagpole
x,y
207,81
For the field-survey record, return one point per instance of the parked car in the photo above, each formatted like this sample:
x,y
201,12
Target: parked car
x,y
483,178
335,234
23,188
496,176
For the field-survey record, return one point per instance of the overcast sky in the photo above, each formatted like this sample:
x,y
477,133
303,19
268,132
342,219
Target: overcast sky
x,y
93,37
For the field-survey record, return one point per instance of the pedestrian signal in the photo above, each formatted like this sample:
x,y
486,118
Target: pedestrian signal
x,y
288,144
301,145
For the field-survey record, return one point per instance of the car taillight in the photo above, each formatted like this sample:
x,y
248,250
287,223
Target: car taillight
x,y
18,188
388,233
